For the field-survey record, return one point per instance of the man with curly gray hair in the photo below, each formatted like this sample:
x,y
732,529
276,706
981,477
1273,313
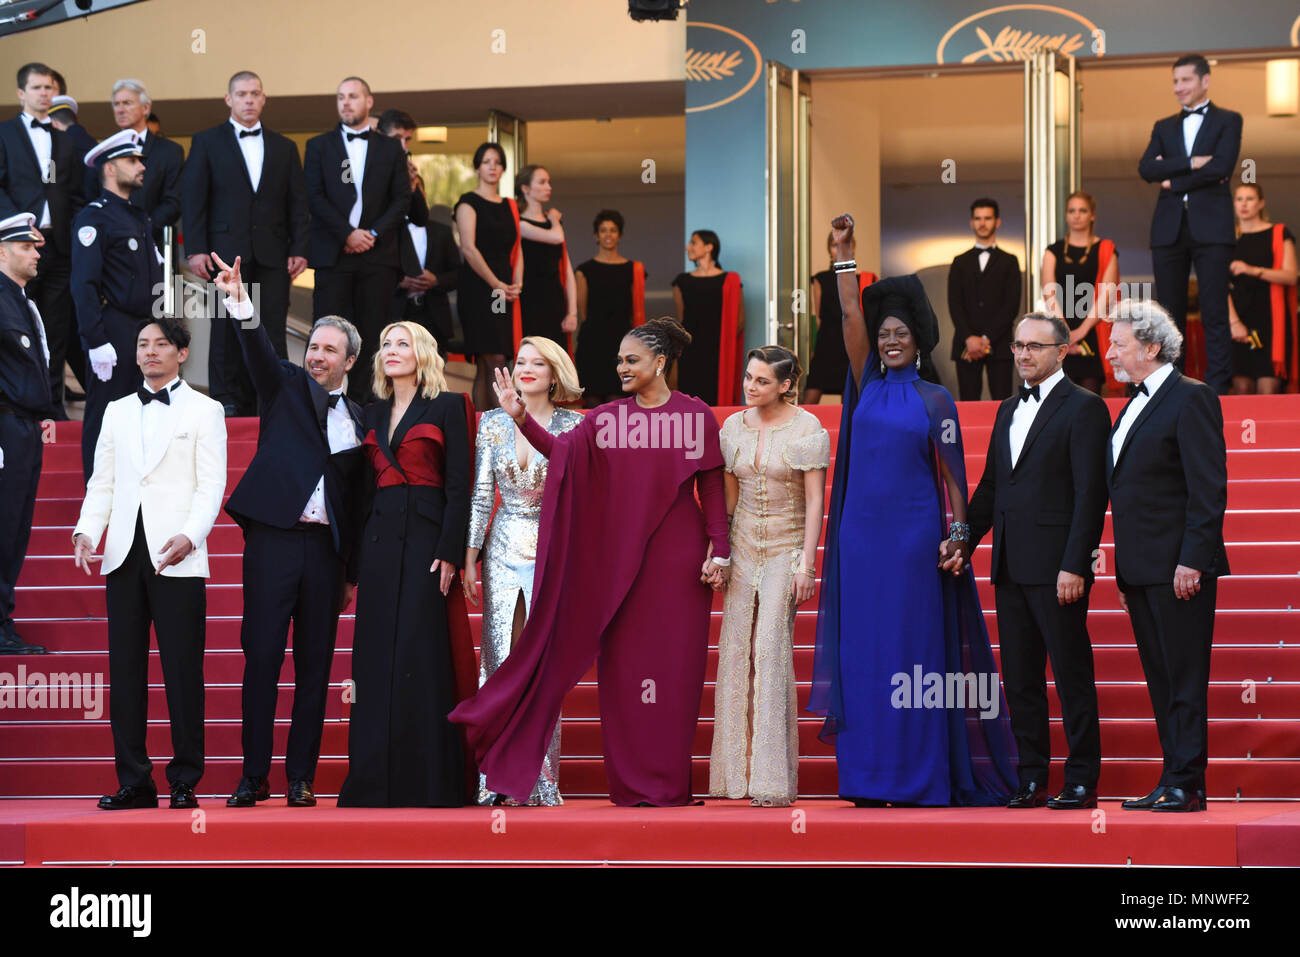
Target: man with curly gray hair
x,y
1167,471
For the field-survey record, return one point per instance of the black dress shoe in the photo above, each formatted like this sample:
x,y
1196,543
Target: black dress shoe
x,y
11,644
249,792
128,798
183,797
300,794
1074,796
1031,794
1179,799
1145,803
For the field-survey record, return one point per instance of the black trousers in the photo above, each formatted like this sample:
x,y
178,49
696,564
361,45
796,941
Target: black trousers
x,y
970,377
51,292
177,608
228,379
1171,266
289,575
126,378
362,293
1173,640
1032,628
20,439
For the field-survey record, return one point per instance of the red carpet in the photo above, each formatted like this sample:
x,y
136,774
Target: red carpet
x,y
58,745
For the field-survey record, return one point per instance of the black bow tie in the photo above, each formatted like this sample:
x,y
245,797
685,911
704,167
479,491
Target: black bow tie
x,y
256,132
359,136
163,396
1201,110
1133,390
334,398
38,125
1027,391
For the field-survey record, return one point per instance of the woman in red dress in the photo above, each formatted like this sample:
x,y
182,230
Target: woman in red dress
x,y
619,578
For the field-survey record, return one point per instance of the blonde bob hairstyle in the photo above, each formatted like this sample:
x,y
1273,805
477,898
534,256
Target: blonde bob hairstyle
x,y
564,377
429,380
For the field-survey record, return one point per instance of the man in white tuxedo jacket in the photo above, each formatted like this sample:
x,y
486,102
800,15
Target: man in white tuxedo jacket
x,y
157,485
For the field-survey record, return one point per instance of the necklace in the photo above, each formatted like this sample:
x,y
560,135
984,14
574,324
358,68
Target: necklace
x,y
1086,253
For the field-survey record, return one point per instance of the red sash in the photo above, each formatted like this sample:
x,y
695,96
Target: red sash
x,y
1105,252
564,284
516,316
638,293
1283,300
730,346
865,279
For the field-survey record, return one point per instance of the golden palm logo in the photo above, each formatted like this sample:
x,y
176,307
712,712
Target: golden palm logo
x,y
726,60
1034,27
1013,44
712,66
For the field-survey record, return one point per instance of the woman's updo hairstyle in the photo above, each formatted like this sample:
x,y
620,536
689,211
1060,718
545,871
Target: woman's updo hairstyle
x,y
784,364
664,337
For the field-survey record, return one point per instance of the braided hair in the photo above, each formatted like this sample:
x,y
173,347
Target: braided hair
x,y
664,337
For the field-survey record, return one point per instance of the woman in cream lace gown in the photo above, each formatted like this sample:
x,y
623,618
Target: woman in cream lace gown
x,y
775,455
505,462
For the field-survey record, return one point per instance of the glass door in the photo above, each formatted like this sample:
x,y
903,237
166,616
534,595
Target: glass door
x,y
1052,156
511,133
787,267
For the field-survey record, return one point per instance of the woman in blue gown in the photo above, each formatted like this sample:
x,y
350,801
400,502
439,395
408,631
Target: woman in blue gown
x,y
903,673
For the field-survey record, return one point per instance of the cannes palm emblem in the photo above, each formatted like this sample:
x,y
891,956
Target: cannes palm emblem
x,y
703,66
1013,44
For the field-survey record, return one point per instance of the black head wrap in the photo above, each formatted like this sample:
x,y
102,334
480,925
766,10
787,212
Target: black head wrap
x,y
904,298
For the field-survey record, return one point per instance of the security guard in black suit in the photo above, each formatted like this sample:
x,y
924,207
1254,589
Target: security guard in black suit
x,y
25,399
116,281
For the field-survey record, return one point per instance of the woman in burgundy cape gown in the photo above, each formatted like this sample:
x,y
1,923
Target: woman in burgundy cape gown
x,y
618,579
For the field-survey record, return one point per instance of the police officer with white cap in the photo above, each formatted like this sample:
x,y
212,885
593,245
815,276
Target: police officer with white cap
x,y
25,399
116,280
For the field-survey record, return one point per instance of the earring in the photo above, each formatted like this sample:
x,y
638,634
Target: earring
x,y
918,361
882,365
551,390
659,371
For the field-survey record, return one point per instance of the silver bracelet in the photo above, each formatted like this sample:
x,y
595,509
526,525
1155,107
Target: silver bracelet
x,y
724,562
847,265
959,532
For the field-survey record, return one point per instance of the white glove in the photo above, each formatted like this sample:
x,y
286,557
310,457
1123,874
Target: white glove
x,y
102,359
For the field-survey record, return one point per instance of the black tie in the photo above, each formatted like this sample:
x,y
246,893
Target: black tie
x,y
1141,387
334,398
256,132
1201,110
38,125
359,136
1027,391
146,396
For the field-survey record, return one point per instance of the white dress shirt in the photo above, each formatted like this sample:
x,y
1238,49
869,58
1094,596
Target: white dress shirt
x,y
985,253
1025,413
343,436
43,144
254,150
1131,411
1191,126
357,150
420,240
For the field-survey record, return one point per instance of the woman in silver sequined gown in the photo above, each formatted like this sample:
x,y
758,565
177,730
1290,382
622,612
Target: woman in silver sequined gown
x,y
543,375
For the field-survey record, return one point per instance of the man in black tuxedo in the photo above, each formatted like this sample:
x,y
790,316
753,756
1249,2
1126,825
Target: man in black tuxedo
x,y
1043,493
1192,155
983,300
40,173
428,252
359,190
244,195
160,196
298,506
1167,470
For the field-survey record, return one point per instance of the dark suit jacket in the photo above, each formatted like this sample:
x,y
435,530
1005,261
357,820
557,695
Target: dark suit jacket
x,y
1169,489
293,449
160,196
1047,513
224,214
1209,199
385,198
442,258
984,303
24,190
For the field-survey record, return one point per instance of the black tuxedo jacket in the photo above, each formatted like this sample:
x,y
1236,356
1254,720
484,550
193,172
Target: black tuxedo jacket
x,y
225,215
441,257
1169,488
984,303
293,450
1047,513
1209,199
23,188
160,196
385,198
